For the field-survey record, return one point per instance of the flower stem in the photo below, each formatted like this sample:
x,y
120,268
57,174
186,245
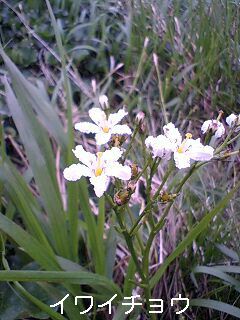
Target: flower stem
x,y
161,223
149,204
126,235
130,144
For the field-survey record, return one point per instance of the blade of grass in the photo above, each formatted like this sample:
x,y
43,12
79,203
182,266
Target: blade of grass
x,y
79,277
100,229
110,249
22,197
39,152
23,292
216,305
219,274
192,235
30,244
129,278
36,101
92,231
72,187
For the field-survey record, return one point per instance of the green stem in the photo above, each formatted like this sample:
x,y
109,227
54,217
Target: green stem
x,y
233,139
149,204
161,95
129,242
126,235
149,187
143,169
224,144
137,235
161,223
130,143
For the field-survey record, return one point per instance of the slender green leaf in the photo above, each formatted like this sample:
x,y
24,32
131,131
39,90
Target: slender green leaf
x,y
22,197
92,232
129,278
36,101
72,188
79,277
30,245
192,235
228,252
110,248
216,305
219,274
22,291
39,153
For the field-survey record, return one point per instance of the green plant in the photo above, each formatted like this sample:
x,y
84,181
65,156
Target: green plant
x,y
59,234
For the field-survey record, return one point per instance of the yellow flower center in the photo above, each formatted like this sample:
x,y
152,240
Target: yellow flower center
x,y
98,170
188,135
181,147
105,129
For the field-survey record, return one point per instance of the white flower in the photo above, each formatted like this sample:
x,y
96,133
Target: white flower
x,y
184,150
191,149
104,127
233,120
172,133
98,167
215,125
103,100
160,146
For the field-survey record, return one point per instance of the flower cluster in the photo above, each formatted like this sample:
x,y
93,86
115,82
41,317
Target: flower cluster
x,y
233,120
101,166
104,127
183,150
215,125
217,128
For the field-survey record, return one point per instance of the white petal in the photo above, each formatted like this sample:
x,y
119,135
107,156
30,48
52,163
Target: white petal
x,y
206,126
102,137
115,118
121,129
85,157
87,127
205,153
119,171
216,126
103,100
160,146
149,141
98,116
231,120
76,171
220,131
173,134
182,160
111,155
197,151
100,184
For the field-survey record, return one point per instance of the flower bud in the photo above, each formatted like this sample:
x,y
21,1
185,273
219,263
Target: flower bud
x,y
220,114
134,168
140,119
155,59
146,41
103,100
131,187
122,197
117,141
94,86
167,197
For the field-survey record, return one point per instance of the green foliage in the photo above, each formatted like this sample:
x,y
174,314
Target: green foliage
x,y
56,50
